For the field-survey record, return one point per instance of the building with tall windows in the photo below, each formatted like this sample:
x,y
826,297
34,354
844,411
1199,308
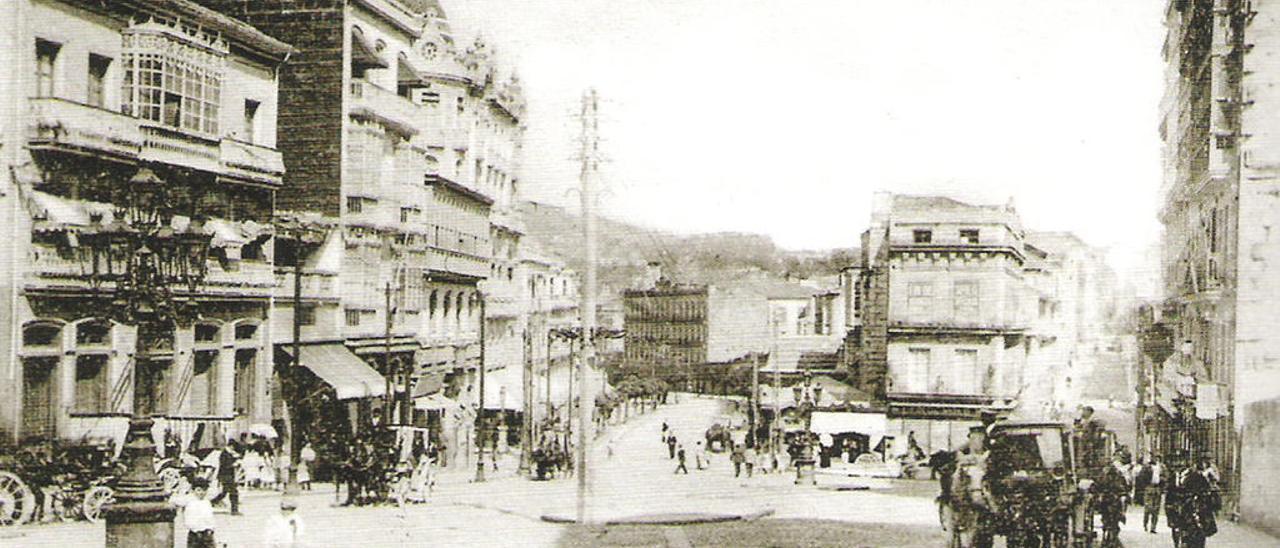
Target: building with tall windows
x,y
403,146
955,310
99,93
943,328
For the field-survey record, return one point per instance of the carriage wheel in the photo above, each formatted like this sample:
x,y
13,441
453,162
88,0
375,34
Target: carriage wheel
x,y
17,502
171,477
94,501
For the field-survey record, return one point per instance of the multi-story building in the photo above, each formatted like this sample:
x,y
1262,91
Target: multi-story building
x,y
1221,203
943,325
98,93
679,331
550,301
1073,311
403,149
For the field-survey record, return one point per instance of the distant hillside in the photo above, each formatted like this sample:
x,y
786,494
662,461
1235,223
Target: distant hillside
x,y
625,249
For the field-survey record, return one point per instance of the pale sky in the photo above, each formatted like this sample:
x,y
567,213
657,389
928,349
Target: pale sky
x,y
782,117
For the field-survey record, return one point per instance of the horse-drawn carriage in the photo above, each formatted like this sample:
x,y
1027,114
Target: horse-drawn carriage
x,y
1038,479
55,481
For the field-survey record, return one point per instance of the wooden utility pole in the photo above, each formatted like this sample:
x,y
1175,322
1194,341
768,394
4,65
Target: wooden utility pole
x,y
480,430
775,427
755,399
388,373
590,164
293,396
550,407
526,435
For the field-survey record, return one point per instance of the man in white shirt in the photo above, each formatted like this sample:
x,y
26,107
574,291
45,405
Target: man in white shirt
x,y
284,530
197,515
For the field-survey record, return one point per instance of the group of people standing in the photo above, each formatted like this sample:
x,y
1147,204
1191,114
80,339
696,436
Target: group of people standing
x,y
375,470
1190,495
745,458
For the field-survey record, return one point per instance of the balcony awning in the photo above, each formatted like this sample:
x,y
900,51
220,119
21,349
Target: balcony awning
x,y
53,213
434,402
349,375
408,74
363,53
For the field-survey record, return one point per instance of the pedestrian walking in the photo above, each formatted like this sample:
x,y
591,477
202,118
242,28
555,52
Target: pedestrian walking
x,y
285,529
1149,484
698,455
228,460
737,458
680,467
197,516
1113,490
671,446
749,460
1200,501
666,430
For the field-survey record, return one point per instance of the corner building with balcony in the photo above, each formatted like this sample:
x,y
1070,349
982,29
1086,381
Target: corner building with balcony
x,y
943,332
98,93
403,150
1215,388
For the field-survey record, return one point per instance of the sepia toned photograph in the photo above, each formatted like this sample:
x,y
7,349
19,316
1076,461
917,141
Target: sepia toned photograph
x,y
639,273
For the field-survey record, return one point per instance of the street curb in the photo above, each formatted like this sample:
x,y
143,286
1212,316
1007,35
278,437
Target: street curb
x,y
668,519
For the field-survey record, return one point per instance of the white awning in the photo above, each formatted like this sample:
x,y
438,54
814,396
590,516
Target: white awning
x,y
434,402
503,389
872,425
349,375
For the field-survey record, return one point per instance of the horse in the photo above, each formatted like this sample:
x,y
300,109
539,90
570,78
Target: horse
x,y
968,501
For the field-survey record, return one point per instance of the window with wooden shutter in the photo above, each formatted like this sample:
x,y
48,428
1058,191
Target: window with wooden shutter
x,y
202,396
39,397
91,383
246,360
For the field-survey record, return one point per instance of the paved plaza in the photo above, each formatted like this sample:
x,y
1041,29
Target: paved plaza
x,y
636,481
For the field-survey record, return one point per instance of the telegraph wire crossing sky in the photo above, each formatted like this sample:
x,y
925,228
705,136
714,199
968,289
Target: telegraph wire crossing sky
x,y
783,118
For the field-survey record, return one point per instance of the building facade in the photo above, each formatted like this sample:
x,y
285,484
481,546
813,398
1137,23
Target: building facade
x,y
99,93
1220,203
943,323
404,148
678,331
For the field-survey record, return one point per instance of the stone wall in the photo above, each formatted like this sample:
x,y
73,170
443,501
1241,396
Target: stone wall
x,y
1259,462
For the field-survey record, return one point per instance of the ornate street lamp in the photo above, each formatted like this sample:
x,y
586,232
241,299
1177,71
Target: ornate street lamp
x,y
807,396
137,263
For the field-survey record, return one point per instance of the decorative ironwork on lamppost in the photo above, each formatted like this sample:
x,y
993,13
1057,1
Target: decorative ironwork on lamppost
x,y
807,397
139,263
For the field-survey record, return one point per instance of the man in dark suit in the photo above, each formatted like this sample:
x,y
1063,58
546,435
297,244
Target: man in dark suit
x,y
1113,490
228,459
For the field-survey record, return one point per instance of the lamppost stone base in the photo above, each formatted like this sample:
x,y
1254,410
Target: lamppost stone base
x,y
140,525
141,516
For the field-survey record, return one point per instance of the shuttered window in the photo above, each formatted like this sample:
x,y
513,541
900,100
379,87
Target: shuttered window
x,y
39,401
91,383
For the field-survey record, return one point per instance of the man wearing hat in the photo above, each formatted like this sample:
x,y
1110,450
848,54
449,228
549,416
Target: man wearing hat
x,y
284,530
1113,492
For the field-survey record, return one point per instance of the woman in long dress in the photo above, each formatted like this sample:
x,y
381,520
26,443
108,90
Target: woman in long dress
x,y
421,481
307,457
252,465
